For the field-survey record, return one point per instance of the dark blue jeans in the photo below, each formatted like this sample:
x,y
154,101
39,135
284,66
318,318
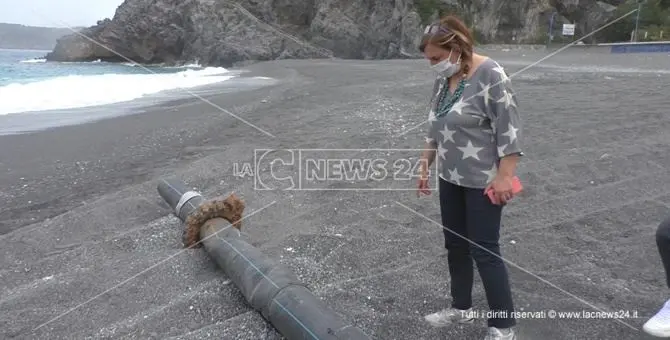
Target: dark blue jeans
x,y
663,244
470,214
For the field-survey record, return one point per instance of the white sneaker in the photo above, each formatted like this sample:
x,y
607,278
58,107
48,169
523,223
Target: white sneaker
x,y
449,316
500,334
659,324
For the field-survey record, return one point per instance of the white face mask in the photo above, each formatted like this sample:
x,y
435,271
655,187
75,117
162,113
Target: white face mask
x,y
446,68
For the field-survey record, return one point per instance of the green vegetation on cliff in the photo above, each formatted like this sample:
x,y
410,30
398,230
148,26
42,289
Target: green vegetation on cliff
x,y
429,8
433,9
426,9
654,24
654,21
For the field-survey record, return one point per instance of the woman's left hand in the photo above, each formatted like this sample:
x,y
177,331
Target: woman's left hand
x,y
502,188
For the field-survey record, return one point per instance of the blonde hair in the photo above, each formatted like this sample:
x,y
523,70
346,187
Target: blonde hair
x,y
453,35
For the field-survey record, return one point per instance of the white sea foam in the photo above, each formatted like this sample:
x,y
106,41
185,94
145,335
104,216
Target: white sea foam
x,y
187,66
192,65
32,61
77,91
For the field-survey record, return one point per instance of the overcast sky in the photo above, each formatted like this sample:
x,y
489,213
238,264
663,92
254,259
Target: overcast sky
x,y
57,13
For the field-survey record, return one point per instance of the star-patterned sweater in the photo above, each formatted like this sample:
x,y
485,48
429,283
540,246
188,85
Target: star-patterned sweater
x,y
482,127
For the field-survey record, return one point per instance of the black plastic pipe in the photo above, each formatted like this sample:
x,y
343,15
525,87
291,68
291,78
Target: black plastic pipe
x,y
268,286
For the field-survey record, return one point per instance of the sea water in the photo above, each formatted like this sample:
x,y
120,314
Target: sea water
x,y
28,83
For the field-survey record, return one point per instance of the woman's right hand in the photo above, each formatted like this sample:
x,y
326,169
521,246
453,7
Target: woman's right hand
x,y
423,182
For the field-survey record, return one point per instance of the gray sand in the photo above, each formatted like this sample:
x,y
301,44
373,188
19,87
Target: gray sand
x,y
80,212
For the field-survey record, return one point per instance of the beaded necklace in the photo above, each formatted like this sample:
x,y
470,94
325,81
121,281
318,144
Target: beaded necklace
x,y
444,106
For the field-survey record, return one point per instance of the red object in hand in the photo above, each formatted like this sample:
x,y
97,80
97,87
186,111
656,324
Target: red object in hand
x,y
516,188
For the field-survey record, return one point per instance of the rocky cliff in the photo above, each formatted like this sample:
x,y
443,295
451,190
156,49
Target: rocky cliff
x,y
222,32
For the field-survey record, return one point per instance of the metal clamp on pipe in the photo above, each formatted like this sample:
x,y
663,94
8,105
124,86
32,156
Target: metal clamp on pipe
x,y
179,198
268,286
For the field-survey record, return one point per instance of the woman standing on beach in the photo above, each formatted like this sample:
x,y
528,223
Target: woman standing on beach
x,y
475,129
